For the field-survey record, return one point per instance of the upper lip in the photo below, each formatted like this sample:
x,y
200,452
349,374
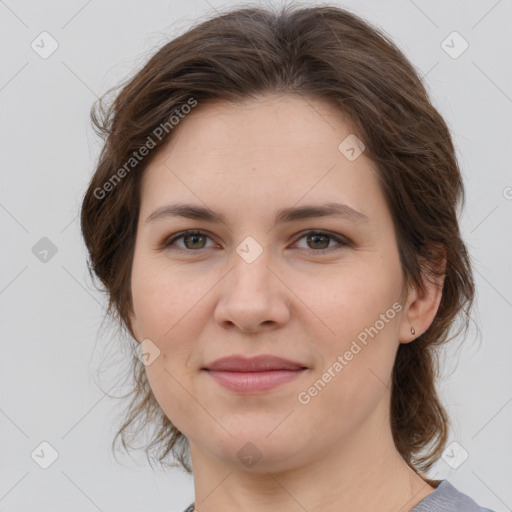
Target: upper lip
x,y
253,364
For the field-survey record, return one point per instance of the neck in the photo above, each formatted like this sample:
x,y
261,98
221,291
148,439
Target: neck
x,y
364,472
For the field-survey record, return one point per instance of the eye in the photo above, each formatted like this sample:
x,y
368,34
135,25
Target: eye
x,y
321,240
195,240
192,239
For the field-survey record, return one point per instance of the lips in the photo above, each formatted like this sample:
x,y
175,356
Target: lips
x,y
262,363
253,375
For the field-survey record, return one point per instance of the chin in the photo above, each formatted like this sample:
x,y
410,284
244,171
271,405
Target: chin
x,y
253,449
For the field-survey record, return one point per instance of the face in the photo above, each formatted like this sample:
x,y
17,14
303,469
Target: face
x,y
320,290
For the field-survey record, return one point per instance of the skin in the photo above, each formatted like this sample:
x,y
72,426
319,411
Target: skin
x,y
200,300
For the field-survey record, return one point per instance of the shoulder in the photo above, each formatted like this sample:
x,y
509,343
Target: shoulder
x,y
447,498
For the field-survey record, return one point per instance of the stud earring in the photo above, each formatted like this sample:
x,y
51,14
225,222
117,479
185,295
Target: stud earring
x,y
413,332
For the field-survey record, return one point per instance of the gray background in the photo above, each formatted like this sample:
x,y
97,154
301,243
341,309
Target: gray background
x,y
51,313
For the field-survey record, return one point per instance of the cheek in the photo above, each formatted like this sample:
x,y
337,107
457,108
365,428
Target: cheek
x,y
352,298
362,313
164,296
355,375
167,388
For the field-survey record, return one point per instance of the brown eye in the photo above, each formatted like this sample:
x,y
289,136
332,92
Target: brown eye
x,y
196,241
192,240
318,242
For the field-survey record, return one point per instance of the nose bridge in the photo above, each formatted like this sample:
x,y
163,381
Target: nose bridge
x,y
251,294
251,266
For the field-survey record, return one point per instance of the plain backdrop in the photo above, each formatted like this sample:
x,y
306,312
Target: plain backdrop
x,y
51,313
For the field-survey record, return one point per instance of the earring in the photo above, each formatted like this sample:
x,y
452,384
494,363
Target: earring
x,y
413,332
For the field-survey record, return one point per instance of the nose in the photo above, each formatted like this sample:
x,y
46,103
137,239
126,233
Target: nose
x,y
252,297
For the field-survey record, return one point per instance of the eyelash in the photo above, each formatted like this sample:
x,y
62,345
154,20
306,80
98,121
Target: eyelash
x,y
341,241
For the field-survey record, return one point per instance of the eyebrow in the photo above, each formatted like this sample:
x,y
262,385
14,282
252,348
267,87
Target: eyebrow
x,y
197,212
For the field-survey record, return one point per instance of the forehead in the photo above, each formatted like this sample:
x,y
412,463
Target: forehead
x,y
272,150
277,123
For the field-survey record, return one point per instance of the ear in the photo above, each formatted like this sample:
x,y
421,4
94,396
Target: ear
x,y
421,306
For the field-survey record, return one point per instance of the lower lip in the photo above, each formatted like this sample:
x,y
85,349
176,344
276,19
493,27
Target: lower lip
x,y
250,382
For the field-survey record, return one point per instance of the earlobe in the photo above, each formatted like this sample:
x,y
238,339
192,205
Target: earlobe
x,y
422,305
407,328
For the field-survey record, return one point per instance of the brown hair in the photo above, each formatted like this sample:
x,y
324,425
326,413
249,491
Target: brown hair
x,y
322,52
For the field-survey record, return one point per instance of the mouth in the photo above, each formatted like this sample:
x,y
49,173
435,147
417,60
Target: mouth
x,y
253,375
259,363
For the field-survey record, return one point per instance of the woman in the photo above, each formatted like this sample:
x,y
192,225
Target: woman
x,y
274,219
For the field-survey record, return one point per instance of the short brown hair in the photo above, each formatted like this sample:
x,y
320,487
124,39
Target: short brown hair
x,y
321,52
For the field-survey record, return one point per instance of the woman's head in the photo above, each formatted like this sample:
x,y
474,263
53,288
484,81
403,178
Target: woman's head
x,y
245,116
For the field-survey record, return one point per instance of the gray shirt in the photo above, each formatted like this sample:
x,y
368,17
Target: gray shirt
x,y
444,499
